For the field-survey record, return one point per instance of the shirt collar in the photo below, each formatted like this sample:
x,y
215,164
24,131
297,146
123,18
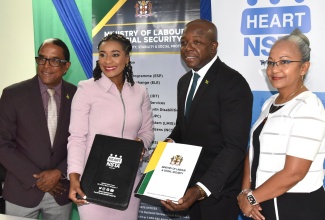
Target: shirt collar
x,y
44,87
107,84
205,69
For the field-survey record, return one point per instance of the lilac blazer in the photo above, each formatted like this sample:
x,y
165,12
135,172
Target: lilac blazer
x,y
99,108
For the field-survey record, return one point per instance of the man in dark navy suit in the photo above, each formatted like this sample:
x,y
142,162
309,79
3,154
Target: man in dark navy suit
x,y
218,119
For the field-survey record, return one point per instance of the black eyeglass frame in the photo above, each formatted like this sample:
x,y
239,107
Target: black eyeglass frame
x,y
271,63
50,60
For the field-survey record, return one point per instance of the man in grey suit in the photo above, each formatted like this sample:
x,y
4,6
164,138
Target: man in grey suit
x,y
218,119
36,163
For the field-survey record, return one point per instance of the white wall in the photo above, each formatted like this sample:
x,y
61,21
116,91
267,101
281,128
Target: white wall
x,y
16,42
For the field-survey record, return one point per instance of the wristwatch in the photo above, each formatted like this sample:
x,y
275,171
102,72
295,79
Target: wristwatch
x,y
203,193
251,198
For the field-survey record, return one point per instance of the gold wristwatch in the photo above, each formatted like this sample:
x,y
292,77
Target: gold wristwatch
x,y
203,193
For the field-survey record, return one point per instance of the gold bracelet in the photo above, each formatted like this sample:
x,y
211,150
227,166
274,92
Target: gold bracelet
x,y
244,191
203,193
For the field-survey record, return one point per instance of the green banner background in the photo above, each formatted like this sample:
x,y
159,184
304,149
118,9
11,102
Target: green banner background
x,y
47,24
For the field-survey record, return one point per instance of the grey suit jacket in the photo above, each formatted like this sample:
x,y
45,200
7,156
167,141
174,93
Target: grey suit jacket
x,y
25,147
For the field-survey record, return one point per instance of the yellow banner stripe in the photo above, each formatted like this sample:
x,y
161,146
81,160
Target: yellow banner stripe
x,y
108,16
155,156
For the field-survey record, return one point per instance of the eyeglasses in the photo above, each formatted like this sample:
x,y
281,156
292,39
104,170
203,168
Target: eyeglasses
x,y
279,63
52,61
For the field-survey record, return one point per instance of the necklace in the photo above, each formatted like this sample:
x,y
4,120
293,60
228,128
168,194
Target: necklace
x,y
292,94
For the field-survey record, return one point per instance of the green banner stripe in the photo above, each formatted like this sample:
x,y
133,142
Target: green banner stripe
x,y
145,182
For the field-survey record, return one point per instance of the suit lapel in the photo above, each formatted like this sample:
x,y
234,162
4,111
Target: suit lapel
x,y
208,80
64,113
183,93
37,104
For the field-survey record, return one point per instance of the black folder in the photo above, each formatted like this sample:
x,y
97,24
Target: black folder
x,y
111,170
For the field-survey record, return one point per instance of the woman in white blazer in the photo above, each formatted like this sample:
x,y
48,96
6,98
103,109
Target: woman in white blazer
x,y
283,175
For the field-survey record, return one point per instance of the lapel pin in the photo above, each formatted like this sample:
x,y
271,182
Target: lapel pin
x,y
68,97
206,81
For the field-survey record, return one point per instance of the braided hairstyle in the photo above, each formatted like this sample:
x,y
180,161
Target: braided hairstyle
x,y
127,47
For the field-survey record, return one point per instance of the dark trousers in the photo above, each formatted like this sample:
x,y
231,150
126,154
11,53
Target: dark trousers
x,y
2,179
224,208
2,201
297,206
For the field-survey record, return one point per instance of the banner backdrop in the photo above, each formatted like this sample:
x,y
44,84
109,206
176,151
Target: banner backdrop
x,y
247,30
47,24
250,29
154,29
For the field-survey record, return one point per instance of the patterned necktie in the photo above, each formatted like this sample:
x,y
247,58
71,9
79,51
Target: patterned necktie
x,y
52,118
191,93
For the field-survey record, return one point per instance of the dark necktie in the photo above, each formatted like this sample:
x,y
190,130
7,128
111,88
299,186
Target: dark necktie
x,y
191,93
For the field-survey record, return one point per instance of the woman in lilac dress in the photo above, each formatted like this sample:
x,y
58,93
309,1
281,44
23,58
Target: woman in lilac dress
x,y
110,103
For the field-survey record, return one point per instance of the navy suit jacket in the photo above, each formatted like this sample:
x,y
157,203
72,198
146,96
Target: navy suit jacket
x,y
219,120
25,147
